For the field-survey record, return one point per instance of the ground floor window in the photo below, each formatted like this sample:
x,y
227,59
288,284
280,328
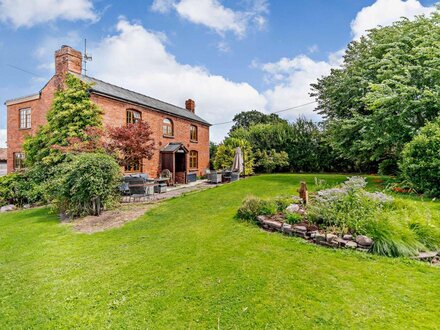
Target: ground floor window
x,y
193,159
18,160
134,167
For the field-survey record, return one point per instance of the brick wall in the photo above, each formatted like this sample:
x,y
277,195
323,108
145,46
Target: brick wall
x,y
39,108
115,115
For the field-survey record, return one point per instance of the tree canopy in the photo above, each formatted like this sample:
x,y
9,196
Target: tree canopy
x,y
71,113
386,90
246,119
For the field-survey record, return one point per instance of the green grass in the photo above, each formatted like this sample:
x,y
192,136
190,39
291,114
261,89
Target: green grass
x,y
189,264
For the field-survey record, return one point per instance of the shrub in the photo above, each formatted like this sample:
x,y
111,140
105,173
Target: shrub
x,y
22,188
396,228
293,218
82,185
282,202
271,160
420,162
254,206
388,167
12,189
347,206
391,238
225,153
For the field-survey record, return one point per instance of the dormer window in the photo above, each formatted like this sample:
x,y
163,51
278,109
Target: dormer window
x,y
193,136
133,116
168,129
25,118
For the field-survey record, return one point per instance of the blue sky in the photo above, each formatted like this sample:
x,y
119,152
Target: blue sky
x,y
227,55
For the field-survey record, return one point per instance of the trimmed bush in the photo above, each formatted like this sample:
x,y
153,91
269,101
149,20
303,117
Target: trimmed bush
x,y
420,162
81,186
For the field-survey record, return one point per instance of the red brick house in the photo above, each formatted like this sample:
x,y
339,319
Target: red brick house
x,y
181,136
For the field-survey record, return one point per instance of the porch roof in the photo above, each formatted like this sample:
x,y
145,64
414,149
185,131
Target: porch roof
x,y
173,147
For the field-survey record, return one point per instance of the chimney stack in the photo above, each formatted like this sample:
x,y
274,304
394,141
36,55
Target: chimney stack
x,y
67,60
190,105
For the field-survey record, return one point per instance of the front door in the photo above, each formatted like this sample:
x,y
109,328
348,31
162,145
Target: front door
x,y
180,163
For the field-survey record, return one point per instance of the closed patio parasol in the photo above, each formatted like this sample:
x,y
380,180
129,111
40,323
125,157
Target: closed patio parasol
x,y
237,165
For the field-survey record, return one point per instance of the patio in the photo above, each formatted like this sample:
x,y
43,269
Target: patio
x,y
172,191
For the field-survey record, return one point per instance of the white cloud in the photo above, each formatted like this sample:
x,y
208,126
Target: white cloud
x,y
292,78
144,65
2,138
27,13
385,12
212,14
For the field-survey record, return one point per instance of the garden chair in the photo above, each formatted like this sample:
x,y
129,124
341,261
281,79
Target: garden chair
x,y
215,177
208,175
168,175
235,176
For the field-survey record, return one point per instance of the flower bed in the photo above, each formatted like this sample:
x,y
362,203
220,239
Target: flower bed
x,y
348,216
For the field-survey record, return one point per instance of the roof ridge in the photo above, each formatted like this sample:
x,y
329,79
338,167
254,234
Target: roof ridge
x,y
131,91
117,91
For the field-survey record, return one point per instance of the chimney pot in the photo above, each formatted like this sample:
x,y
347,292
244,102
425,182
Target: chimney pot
x,y
190,105
68,59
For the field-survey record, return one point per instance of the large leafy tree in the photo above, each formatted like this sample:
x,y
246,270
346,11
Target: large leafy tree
x,y
265,136
71,114
225,154
246,119
386,90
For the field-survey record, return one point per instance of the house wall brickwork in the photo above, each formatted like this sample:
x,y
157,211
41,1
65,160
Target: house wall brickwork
x,y
39,107
69,60
115,115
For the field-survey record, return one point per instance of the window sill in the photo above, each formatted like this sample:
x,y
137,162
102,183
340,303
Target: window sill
x,y
194,141
25,129
168,136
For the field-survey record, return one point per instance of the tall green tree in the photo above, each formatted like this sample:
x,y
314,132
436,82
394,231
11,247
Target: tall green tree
x,y
225,154
386,90
71,114
246,119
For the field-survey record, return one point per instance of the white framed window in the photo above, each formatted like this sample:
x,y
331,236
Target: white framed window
x,y
18,161
168,127
25,118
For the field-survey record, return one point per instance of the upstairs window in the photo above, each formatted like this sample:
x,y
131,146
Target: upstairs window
x,y
25,118
18,161
133,116
193,133
168,129
193,159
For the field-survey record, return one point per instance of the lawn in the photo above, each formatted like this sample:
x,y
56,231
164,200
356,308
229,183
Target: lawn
x,y
189,264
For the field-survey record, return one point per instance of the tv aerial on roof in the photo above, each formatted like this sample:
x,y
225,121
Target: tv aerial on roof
x,y
86,58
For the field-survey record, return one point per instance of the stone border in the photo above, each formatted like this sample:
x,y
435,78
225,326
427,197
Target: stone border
x,y
312,234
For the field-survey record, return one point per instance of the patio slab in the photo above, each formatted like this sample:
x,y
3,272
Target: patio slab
x,y
172,192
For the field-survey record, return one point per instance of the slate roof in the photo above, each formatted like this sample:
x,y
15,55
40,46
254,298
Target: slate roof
x,y
3,154
103,88
172,147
